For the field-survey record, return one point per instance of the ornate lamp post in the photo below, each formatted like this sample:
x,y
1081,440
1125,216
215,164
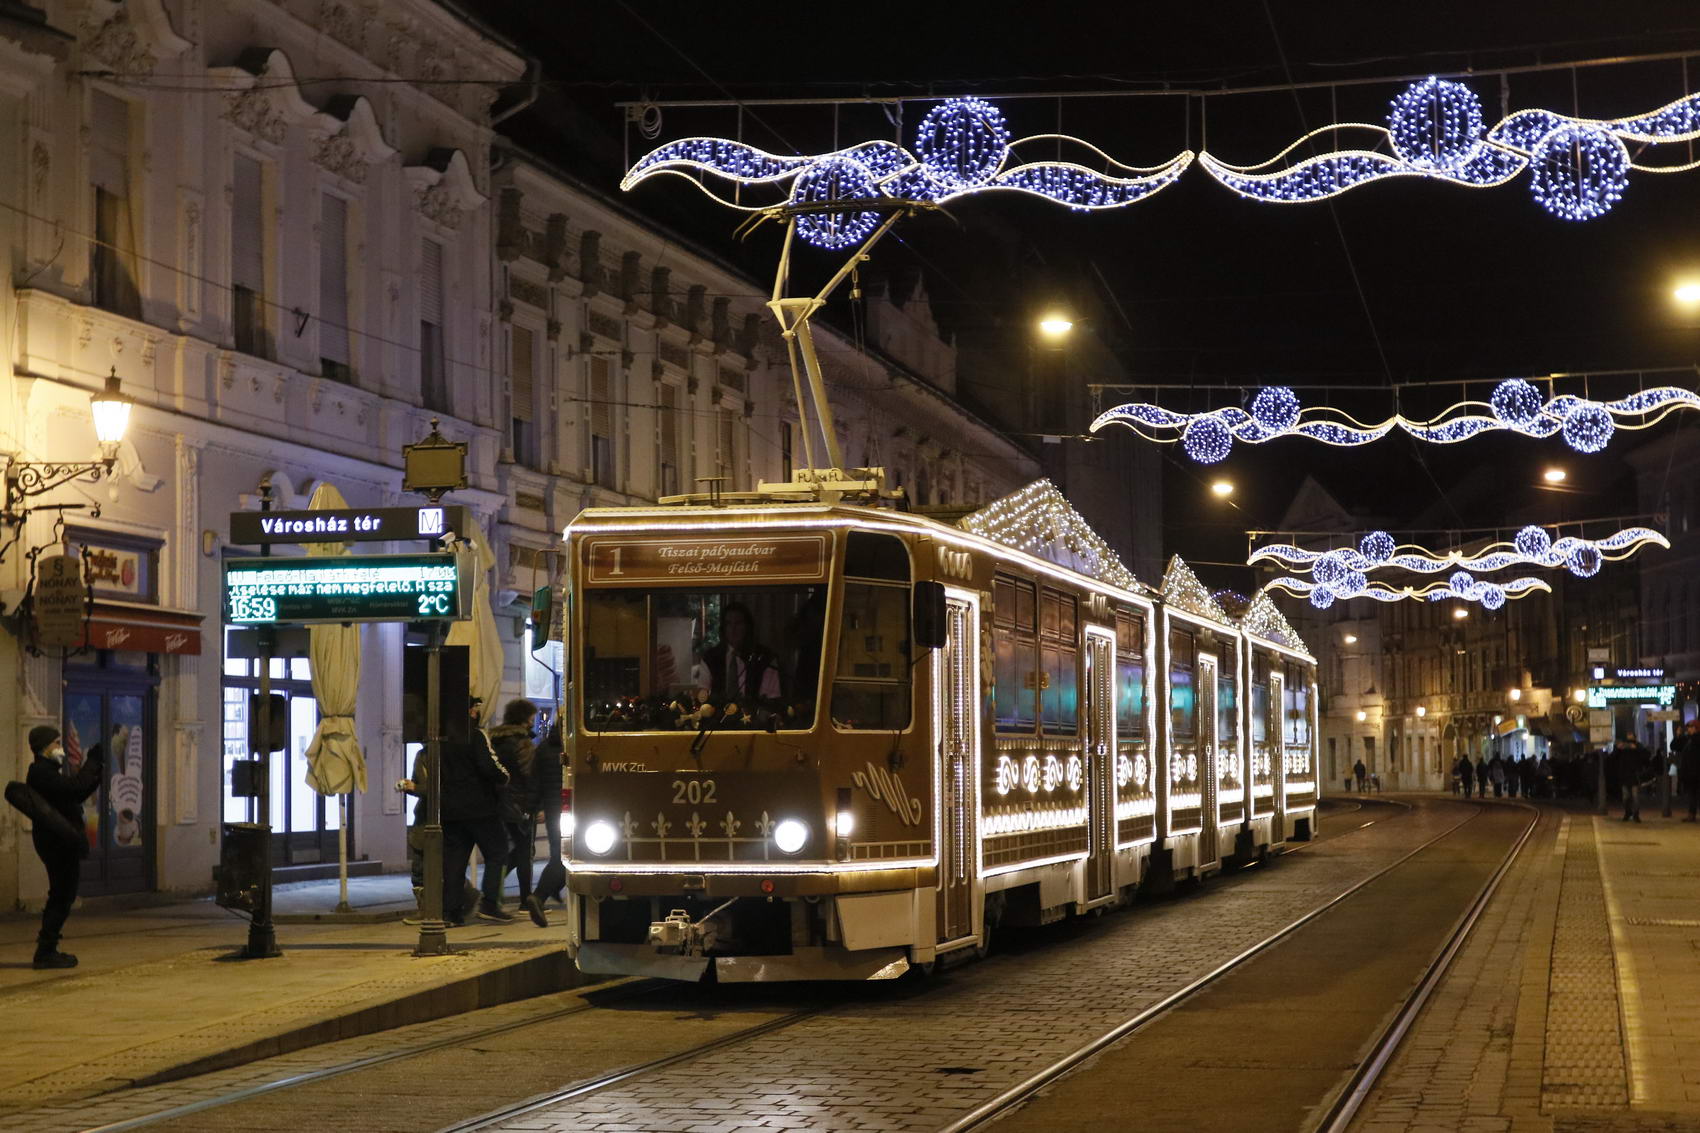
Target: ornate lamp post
x,y
26,478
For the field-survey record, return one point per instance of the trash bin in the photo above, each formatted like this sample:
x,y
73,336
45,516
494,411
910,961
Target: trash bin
x,y
242,866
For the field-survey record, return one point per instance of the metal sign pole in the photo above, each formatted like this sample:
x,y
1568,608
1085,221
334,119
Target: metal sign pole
x,y
433,932
262,936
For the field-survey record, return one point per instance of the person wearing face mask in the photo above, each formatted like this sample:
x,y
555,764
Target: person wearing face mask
x,y
64,790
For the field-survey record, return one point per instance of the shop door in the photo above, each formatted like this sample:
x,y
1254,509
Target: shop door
x,y
955,685
1100,746
119,816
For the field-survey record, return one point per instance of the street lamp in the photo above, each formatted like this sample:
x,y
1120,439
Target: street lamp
x,y
25,478
1421,711
1350,639
1554,475
1362,715
1460,613
1222,489
1055,326
1516,694
1687,293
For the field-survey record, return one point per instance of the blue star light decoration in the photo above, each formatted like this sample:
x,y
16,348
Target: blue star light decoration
x,y
962,146
1515,406
1532,546
1578,167
1461,587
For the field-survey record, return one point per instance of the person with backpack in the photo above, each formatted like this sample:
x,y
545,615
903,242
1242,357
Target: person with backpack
x,y
64,791
514,749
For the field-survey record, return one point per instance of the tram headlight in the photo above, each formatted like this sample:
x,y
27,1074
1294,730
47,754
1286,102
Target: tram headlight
x,y
790,835
599,837
845,825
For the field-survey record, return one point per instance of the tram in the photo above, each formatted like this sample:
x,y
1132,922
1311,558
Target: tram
x,y
814,736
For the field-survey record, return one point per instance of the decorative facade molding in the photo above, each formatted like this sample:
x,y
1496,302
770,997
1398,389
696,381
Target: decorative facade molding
x,y
130,38
443,188
355,145
266,109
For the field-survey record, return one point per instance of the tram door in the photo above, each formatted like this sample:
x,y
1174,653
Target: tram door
x,y
956,687
1207,737
1100,763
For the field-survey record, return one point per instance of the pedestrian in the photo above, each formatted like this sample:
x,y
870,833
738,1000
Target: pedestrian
x,y
1481,778
1630,761
1464,774
1512,775
517,754
1359,772
64,790
548,779
1496,774
1686,747
472,810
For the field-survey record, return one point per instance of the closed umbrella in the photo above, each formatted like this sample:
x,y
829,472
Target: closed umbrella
x,y
485,659
335,763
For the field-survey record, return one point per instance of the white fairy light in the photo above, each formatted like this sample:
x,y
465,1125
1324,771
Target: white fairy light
x,y
1038,520
1490,594
1531,546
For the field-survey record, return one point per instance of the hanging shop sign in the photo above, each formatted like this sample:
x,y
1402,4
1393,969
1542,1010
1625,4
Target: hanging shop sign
x,y
348,588
346,525
61,599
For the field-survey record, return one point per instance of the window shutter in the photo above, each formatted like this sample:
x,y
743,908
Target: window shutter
x,y
726,442
601,398
109,149
247,235
333,280
431,282
524,374
669,424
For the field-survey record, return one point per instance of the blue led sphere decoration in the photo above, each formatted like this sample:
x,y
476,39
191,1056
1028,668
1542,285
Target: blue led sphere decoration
x,y
1461,582
1377,547
1492,596
1534,542
1276,408
835,179
1585,561
1516,402
1328,568
1322,598
962,142
1578,171
1435,124
1350,584
1588,427
1207,440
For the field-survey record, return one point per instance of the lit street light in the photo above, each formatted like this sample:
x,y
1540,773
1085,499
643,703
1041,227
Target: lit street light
x,y
1055,327
1350,639
1516,695
1460,613
1222,489
1554,475
1688,294
1421,711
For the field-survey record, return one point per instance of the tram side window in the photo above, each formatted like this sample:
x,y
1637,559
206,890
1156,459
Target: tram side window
x,y
1259,698
1130,675
1015,627
1295,691
871,687
1183,705
1059,651
1227,697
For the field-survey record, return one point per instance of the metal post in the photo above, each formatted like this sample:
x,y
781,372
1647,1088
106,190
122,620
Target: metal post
x,y
433,932
1603,807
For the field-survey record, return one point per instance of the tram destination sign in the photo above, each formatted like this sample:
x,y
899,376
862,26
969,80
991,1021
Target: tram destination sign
x,y
626,561
346,525
348,588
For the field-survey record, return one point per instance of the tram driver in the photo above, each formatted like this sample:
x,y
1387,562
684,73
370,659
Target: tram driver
x,y
738,666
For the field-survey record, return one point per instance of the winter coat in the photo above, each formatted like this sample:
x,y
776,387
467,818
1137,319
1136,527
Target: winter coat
x,y
517,755
1686,748
1496,770
1631,763
548,776
64,791
472,778
1481,771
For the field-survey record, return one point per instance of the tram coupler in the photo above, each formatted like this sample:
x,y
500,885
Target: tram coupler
x,y
676,931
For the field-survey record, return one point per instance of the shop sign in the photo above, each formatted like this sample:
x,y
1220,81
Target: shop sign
x,y
60,604
349,588
141,637
347,525
116,571
619,561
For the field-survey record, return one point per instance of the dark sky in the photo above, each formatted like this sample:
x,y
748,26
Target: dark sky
x,y
1399,281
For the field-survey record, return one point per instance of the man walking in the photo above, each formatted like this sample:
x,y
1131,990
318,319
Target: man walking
x,y
548,773
64,791
1686,748
471,812
518,756
1630,760
1481,778
1465,774
1360,773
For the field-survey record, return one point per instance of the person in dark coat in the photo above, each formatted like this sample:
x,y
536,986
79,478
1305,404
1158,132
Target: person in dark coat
x,y
1466,774
1686,748
548,775
472,816
1630,760
64,791
1481,778
517,755
1361,774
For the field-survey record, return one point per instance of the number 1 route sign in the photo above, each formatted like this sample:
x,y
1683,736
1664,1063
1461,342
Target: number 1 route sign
x,y
435,586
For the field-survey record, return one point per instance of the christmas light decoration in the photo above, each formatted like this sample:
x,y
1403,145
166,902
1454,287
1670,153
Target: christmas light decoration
x,y
1515,405
1490,594
1182,589
962,146
1578,167
1040,521
1532,546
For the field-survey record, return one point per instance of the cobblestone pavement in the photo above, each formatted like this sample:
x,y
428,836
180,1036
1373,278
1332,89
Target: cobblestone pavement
x,y
920,1063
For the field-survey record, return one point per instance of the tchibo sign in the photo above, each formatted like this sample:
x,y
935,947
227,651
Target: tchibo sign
x,y
346,525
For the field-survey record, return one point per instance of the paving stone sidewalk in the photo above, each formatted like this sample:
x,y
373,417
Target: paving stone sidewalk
x,y
157,995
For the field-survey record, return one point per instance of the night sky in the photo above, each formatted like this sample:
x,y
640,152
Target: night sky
x,y
1450,283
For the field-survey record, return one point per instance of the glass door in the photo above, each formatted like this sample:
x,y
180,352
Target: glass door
x,y
119,817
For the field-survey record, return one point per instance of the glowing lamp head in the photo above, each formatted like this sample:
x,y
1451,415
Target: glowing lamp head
x,y
599,837
1555,475
1222,489
1350,639
1421,711
844,824
1579,695
1460,613
1516,694
790,835
1056,327
1362,715
1688,293
111,410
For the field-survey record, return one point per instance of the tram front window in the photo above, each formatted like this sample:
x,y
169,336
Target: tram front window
x,y
653,658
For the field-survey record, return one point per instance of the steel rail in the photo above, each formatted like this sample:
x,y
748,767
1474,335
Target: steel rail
x,y
245,1093
1037,1081
1345,1107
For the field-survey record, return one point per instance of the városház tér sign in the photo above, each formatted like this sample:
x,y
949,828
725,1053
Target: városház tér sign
x,y
348,588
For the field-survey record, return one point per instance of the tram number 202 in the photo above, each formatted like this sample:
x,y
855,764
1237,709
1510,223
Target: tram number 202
x,y
693,791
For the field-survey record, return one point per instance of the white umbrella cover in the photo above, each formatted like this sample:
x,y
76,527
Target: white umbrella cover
x,y
336,765
486,659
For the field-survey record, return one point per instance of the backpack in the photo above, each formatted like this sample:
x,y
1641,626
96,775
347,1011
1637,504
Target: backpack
x,y
54,827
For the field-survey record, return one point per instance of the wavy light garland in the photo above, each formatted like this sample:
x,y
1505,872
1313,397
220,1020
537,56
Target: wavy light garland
x,y
1532,546
1579,167
1461,586
1516,406
962,146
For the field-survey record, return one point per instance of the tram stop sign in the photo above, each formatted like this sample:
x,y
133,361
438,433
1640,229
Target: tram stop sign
x,y
435,586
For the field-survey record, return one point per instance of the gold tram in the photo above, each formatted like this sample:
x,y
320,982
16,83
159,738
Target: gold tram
x,y
814,739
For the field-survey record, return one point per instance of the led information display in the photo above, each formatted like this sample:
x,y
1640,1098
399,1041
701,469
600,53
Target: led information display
x,y
348,588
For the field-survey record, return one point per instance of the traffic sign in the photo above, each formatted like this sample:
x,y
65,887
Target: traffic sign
x,y
348,588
